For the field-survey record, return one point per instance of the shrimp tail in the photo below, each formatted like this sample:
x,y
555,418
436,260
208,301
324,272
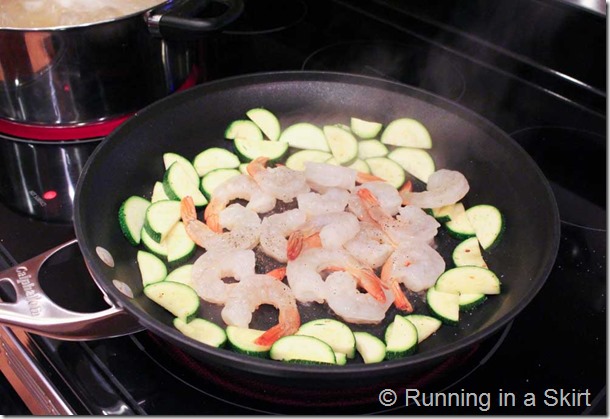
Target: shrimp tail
x,y
278,273
195,229
362,177
213,222
257,165
211,215
295,245
366,278
404,192
285,327
188,212
400,299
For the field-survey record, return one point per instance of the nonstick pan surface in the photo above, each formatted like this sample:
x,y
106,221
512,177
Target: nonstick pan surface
x,y
499,171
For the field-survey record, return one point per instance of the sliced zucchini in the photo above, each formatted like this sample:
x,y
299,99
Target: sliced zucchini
x,y
459,225
488,224
340,358
370,347
180,247
444,305
152,269
203,331
158,193
302,349
179,299
216,177
371,148
241,339
442,214
387,170
468,280
244,129
306,136
406,132
243,168
132,214
161,217
360,166
400,338
158,249
365,129
425,325
177,184
251,149
215,158
187,166
468,253
297,160
266,121
470,301
343,145
182,274
415,161
335,333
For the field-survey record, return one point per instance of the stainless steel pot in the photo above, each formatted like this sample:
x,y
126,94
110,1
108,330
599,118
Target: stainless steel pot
x,y
93,72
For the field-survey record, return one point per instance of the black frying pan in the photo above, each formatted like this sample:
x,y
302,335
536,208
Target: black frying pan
x,y
129,161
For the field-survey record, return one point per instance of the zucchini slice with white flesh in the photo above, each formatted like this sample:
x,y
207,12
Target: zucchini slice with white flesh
x,y
297,160
442,214
180,247
343,145
210,181
182,274
156,248
203,331
468,253
152,269
425,325
132,214
266,121
241,339
400,338
161,217
468,280
305,136
406,132
360,166
488,224
251,149
215,158
470,301
387,170
365,129
340,358
177,184
187,166
370,347
179,299
416,161
338,335
459,225
371,148
244,129
158,193
302,349
444,305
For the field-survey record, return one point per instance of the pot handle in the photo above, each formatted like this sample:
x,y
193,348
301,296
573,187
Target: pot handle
x,y
178,20
34,312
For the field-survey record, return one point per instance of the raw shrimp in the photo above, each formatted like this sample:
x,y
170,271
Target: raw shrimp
x,y
321,176
254,291
214,265
387,195
281,182
332,200
347,302
303,274
414,264
371,246
411,223
274,230
445,187
237,187
243,225
333,230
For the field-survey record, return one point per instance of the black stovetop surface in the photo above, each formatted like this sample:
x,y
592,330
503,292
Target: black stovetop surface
x,y
539,75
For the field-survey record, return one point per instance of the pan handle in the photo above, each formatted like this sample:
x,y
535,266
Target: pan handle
x,y
178,21
34,312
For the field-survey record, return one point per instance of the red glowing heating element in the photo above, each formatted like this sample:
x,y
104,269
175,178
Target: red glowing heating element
x,y
48,195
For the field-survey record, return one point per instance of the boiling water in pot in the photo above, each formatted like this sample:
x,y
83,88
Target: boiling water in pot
x,y
36,14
